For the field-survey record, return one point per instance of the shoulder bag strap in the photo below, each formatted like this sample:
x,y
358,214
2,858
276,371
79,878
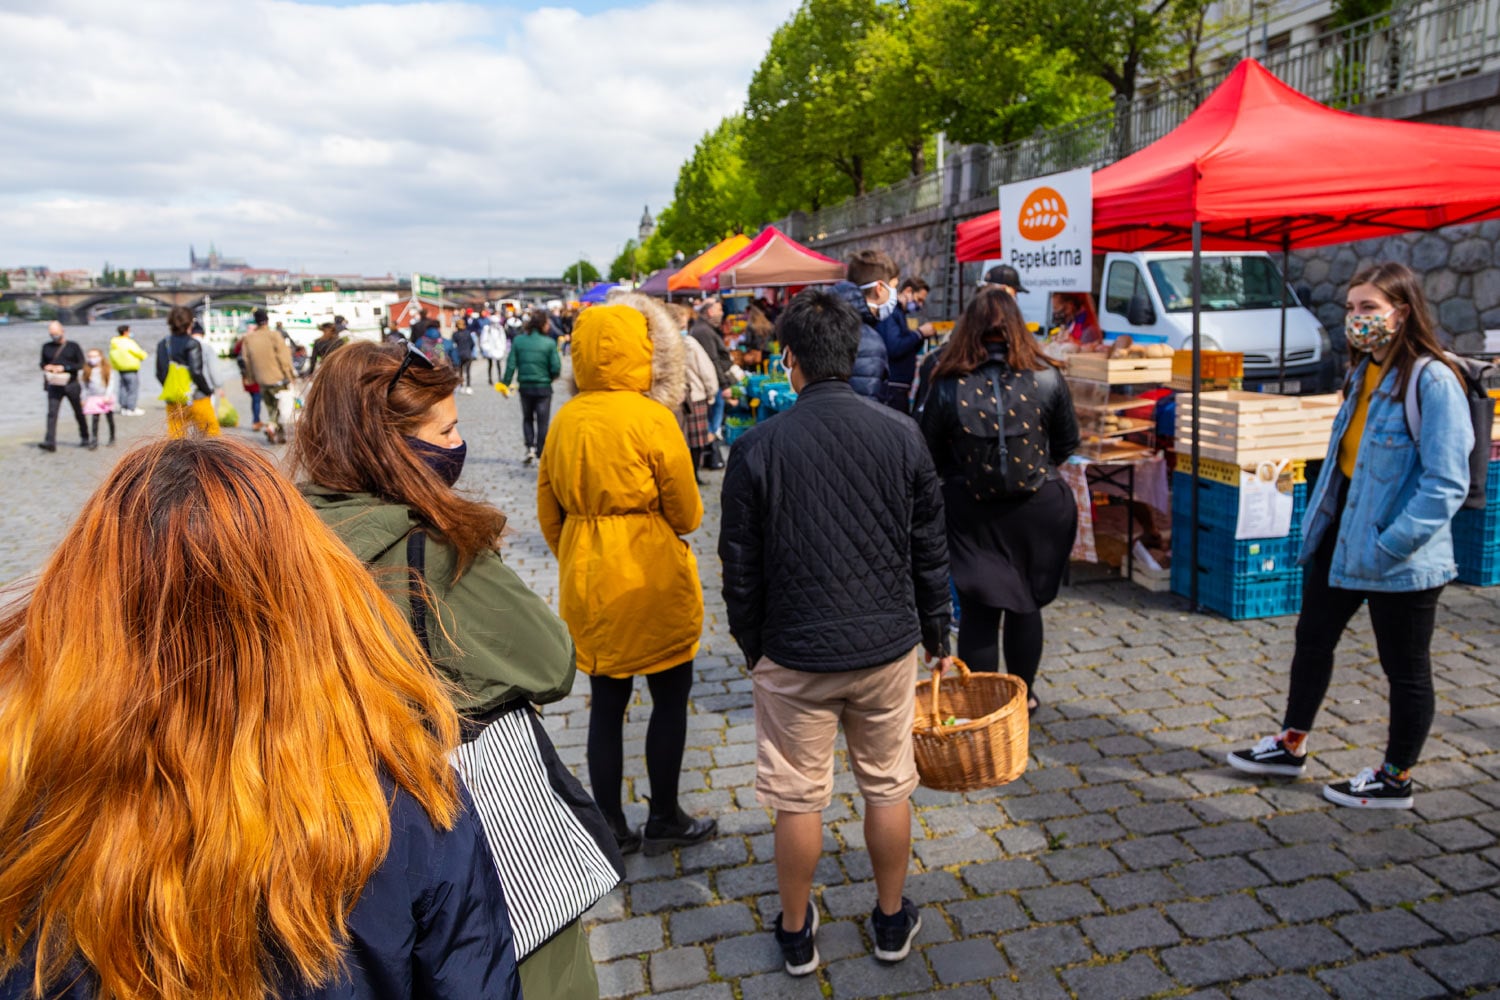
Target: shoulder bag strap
x,y
1414,397
416,565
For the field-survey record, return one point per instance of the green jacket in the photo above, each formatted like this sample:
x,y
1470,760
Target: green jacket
x,y
535,356
498,641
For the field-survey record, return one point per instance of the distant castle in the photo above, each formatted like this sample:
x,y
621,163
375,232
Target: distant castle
x,y
214,262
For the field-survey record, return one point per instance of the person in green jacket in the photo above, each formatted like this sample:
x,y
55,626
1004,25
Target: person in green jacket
x,y
534,357
125,357
377,454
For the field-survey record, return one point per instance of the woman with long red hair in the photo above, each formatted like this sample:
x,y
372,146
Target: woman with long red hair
x,y
224,761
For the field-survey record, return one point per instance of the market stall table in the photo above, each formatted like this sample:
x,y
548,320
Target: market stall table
x,y
1142,478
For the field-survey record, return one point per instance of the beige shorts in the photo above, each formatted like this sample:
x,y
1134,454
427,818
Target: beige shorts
x,y
797,716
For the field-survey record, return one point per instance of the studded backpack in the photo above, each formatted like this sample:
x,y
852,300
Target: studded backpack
x,y
1002,447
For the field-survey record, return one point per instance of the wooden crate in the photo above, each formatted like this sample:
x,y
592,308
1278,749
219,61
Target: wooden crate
x,y
1120,371
1248,427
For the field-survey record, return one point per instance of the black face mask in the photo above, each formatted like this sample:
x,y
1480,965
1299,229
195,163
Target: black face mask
x,y
446,463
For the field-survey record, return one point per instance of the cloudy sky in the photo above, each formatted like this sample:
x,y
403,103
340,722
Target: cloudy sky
x,y
462,138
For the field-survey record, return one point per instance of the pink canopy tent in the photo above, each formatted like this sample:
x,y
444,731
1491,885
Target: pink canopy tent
x,y
772,259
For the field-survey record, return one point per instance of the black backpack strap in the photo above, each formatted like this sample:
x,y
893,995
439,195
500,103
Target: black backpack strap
x,y
416,566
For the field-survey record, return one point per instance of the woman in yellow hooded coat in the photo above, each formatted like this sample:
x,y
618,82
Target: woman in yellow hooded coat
x,y
615,495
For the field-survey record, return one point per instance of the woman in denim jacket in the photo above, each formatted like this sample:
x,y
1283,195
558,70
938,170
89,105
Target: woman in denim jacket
x,y
1378,530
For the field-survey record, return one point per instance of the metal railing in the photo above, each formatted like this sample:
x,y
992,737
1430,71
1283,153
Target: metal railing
x,y
1412,47
885,204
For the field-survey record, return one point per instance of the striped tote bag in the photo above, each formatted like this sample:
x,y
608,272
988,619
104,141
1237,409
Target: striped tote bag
x,y
552,847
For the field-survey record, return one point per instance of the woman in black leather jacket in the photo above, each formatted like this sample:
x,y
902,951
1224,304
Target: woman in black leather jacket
x,y
999,421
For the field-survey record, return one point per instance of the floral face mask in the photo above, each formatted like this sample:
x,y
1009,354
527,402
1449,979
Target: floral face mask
x,y
1370,332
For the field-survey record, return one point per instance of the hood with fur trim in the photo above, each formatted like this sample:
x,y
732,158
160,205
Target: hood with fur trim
x,y
631,344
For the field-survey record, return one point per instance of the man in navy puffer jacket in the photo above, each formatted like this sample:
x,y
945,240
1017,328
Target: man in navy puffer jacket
x,y
870,365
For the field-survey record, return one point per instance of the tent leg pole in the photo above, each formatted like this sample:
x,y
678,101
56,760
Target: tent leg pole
x,y
1197,393
1286,250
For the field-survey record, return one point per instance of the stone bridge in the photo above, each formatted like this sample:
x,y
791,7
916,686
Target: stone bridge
x,y
74,306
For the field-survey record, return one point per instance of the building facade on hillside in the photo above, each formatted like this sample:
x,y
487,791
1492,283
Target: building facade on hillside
x,y
216,269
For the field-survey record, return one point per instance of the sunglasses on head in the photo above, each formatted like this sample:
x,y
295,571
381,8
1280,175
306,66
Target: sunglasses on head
x,y
413,357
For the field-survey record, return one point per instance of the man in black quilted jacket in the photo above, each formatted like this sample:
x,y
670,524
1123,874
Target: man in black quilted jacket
x,y
835,574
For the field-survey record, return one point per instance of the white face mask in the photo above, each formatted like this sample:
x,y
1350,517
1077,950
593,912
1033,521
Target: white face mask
x,y
889,305
95,360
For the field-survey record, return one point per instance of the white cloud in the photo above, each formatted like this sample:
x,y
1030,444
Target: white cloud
x,y
450,137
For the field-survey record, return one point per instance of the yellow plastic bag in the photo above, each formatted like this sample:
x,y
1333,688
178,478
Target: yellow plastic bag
x,y
227,414
178,386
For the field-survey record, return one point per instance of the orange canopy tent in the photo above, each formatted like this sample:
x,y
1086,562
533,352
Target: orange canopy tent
x,y
1261,166
687,278
772,259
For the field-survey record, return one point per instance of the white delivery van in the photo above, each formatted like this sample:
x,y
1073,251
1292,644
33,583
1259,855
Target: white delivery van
x,y
1148,295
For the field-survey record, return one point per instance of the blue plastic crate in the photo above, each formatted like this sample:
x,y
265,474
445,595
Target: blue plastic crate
x,y
1239,598
1252,558
1218,504
734,427
1476,543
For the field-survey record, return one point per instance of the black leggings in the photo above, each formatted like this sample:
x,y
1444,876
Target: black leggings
x,y
666,735
494,368
463,367
94,419
1403,637
979,639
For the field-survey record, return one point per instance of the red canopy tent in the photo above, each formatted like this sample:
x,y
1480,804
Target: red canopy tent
x,y
1260,166
772,259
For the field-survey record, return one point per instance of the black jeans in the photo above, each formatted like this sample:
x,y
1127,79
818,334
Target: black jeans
x,y
536,412
73,393
1403,637
979,639
666,735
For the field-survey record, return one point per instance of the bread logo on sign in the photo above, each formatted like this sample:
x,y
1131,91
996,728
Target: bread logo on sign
x,y
1044,215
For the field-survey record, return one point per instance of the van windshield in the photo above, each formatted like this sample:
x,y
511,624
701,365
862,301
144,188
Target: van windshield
x,y
1229,283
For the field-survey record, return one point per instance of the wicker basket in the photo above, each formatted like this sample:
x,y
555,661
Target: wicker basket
x,y
988,750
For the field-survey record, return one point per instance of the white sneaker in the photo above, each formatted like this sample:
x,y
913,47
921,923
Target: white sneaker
x,y
530,456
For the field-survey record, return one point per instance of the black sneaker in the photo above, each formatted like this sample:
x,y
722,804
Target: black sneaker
x,y
894,935
1370,789
800,950
1269,756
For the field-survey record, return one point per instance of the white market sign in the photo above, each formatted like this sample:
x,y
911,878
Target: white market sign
x,y
1047,230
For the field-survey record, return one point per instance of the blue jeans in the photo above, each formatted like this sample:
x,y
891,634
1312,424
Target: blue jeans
x,y
716,415
130,387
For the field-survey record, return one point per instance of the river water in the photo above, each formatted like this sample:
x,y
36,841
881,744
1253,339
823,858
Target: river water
x,y
23,403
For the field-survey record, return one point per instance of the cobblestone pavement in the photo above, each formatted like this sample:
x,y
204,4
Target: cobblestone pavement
x,y
1127,862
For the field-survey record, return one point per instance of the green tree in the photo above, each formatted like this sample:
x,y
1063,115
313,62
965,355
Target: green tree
x,y
1117,41
1349,11
4,281
655,252
716,194
815,131
581,273
987,79
626,265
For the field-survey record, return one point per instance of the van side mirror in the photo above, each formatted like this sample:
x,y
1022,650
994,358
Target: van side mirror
x,y
1140,312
